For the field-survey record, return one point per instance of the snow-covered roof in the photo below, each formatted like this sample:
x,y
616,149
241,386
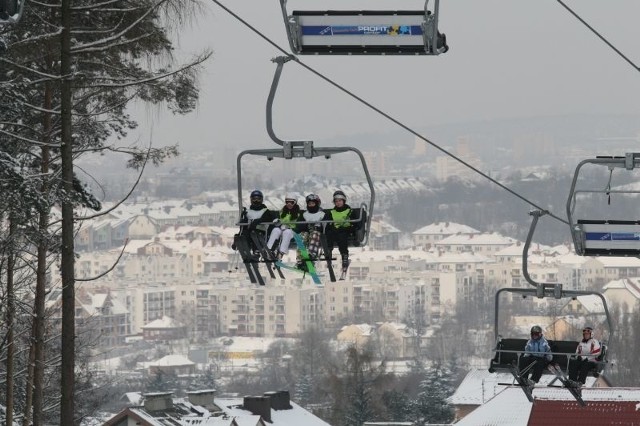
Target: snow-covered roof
x,y
572,259
630,284
364,329
592,303
445,228
296,416
619,262
172,361
476,239
164,322
511,407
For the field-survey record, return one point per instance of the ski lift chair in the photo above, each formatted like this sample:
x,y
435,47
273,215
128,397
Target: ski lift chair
x,y
508,351
365,32
296,150
604,237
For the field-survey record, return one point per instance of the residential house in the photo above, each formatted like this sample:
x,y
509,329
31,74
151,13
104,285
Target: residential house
x,y
397,340
487,244
615,268
202,408
383,236
624,292
173,365
356,334
164,328
604,406
142,227
104,315
494,398
428,235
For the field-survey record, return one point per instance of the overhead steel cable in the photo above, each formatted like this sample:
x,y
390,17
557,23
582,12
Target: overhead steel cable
x,y
384,114
600,36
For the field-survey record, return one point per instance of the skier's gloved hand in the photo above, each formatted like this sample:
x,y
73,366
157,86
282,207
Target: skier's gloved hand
x,y
233,246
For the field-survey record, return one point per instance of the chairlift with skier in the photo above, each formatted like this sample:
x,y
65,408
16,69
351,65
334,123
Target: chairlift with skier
x,y
509,351
252,248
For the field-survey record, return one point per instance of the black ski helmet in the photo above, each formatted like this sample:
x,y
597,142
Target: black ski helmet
x,y
339,195
536,329
312,198
256,197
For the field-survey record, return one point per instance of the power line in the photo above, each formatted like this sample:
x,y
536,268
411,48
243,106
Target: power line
x,y
599,35
384,114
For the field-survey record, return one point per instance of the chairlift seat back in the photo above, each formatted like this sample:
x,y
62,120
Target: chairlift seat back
x,y
608,237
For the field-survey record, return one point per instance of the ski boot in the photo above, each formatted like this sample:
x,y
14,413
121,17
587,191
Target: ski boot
x,y
345,266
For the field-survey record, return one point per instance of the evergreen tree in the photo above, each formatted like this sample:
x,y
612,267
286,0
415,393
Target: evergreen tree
x,y
431,405
358,385
303,390
399,406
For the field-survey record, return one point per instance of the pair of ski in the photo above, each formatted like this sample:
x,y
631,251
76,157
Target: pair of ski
x,y
306,258
251,259
572,386
527,387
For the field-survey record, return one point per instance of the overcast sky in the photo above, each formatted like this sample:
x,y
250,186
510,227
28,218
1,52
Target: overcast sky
x,y
507,58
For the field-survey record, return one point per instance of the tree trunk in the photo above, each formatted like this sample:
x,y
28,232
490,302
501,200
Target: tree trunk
x,y
67,253
35,378
10,315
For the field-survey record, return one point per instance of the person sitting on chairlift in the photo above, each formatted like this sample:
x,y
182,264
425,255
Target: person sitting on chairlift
x,y
289,214
310,232
338,232
256,217
538,351
586,353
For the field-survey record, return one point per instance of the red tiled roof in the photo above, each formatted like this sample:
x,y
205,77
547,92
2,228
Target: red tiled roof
x,y
596,413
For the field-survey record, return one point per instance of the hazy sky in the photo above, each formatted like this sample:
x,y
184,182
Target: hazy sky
x,y
507,58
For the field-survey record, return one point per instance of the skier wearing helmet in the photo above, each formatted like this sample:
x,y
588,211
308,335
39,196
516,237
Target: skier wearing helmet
x,y
537,352
310,231
256,217
285,222
587,352
339,230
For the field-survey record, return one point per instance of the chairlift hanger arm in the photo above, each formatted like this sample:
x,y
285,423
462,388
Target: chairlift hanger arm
x,y
280,61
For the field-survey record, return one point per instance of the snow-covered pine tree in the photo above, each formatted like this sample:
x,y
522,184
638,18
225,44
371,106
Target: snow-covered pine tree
x,y
431,405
